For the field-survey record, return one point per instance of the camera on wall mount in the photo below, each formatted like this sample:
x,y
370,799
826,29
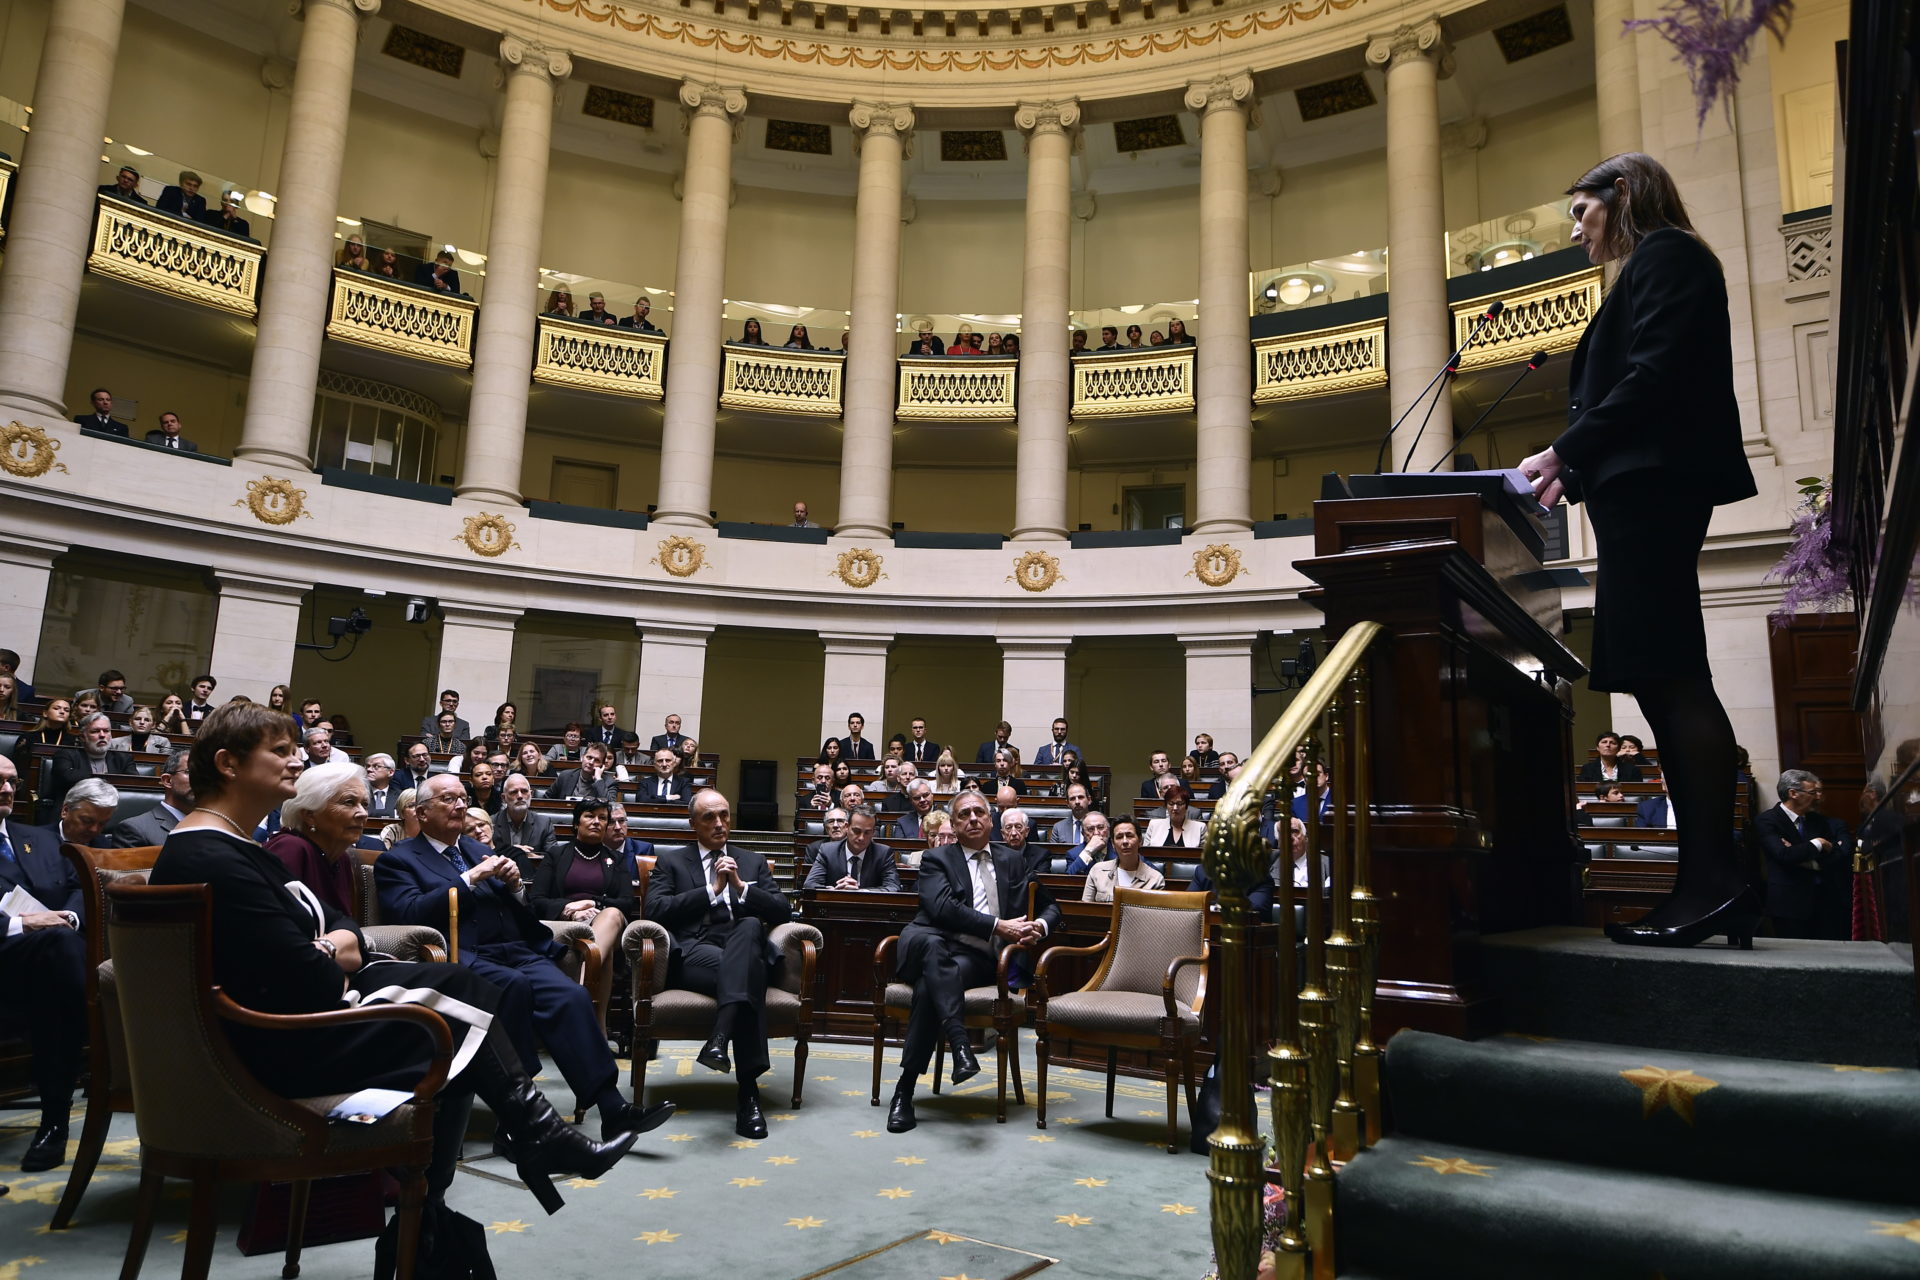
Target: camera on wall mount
x,y
1292,673
419,609
356,623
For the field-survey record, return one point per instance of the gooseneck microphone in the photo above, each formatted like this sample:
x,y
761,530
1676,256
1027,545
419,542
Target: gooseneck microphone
x,y
1452,365
1534,361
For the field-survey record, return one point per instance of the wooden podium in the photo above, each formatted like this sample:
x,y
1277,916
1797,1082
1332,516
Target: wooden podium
x,y
1471,724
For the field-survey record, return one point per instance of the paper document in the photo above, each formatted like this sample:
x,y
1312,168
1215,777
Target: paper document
x,y
368,1105
19,902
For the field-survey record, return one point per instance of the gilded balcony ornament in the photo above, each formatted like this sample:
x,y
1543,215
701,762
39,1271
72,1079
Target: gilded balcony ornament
x,y
680,556
859,567
1216,565
274,500
940,388
1154,380
1547,317
373,311
1323,362
28,452
1036,571
619,362
173,256
488,535
780,380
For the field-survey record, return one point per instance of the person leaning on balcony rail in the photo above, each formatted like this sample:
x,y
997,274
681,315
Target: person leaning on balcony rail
x,y
167,435
439,274
1010,345
386,263
102,419
353,254
750,335
560,304
927,343
797,339
227,217
125,186
184,200
597,313
638,321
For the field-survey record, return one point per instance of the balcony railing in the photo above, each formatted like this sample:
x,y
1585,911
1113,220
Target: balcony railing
x,y
956,388
373,311
1116,384
170,255
779,380
1547,317
1323,362
620,362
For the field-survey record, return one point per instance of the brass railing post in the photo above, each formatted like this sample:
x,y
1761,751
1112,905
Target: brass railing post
x,y
1316,1030
1366,907
1343,948
1287,1076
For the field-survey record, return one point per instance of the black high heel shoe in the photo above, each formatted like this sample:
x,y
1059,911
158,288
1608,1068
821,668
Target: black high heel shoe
x,y
1738,918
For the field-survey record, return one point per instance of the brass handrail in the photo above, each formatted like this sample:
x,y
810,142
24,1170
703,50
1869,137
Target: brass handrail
x,y
1322,1063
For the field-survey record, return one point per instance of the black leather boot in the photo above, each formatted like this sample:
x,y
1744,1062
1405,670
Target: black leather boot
x,y
539,1142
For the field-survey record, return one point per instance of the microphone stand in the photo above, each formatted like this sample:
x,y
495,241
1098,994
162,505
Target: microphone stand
x,y
1534,362
1453,361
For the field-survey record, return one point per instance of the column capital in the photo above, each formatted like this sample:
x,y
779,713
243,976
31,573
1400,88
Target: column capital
x,y
1034,646
1416,40
706,98
1224,93
1048,116
354,8
692,634
1233,643
236,584
894,119
530,55
848,642
38,553
486,617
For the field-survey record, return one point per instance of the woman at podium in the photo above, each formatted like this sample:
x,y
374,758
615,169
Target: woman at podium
x,y
1652,446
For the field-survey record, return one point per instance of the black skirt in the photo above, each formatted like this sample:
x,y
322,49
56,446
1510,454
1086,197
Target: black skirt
x,y
1647,621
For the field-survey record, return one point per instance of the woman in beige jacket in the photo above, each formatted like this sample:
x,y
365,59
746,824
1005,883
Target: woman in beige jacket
x,y
1125,870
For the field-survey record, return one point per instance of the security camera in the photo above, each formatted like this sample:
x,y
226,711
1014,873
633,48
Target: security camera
x,y
356,623
417,608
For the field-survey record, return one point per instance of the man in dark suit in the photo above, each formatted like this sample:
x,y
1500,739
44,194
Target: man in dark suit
x,y
853,746
102,419
1001,733
383,797
90,760
1229,770
638,321
1656,811
1158,767
42,968
503,942
594,779
667,785
920,749
152,826
626,848
518,831
911,824
227,217
721,904
855,862
125,186
1809,856
438,275
168,436
200,703
672,739
973,900
184,200
449,702
1055,752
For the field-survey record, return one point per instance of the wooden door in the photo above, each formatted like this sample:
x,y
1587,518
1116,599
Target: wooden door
x,y
1818,729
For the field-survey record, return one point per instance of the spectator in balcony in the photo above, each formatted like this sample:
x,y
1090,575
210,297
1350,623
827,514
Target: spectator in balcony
x,y
927,343
560,304
797,339
1133,338
995,346
387,263
102,419
227,217
1177,334
750,334
844,335
1010,345
184,200
800,520
1109,338
597,313
962,344
1079,347
125,186
439,274
638,321
1157,339
167,434
353,254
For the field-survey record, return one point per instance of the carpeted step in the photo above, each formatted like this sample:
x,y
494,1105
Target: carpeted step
x,y
1415,1207
1849,1002
1793,1126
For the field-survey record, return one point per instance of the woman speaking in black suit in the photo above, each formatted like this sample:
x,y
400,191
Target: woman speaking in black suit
x,y
1652,446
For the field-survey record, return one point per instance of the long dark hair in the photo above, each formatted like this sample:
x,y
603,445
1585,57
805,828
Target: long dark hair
x,y
1650,202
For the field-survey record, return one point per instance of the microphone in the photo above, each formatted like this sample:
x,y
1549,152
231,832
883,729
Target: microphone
x,y
1534,361
1494,308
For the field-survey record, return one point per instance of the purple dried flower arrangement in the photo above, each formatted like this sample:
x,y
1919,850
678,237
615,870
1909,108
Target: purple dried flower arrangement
x,y
1814,568
1711,38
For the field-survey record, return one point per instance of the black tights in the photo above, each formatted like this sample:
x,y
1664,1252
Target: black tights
x,y
1699,760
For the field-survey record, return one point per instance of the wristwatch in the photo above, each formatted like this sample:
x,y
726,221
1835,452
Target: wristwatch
x,y
327,945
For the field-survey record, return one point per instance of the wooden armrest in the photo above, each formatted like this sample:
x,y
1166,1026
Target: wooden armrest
x,y
1046,958
427,1020
1005,959
1173,971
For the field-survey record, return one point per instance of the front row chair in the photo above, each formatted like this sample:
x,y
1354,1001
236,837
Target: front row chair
x,y
1146,994
995,1007
108,1090
202,1115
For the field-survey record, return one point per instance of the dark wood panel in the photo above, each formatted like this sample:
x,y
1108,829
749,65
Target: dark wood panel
x,y
1815,724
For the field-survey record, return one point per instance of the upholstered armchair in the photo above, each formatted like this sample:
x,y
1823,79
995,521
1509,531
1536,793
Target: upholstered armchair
x,y
995,1007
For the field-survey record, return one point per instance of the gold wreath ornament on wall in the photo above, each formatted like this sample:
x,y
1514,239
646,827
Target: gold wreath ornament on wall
x,y
275,501
859,567
1216,565
488,535
681,556
1036,571
28,451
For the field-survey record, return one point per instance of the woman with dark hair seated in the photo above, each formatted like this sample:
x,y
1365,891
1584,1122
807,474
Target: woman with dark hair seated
x,y
582,880
505,717
829,751
278,949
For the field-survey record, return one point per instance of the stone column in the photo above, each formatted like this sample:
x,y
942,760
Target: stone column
x,y
1033,689
1046,378
1419,326
699,289
504,332
1222,386
1220,690
883,134
855,679
476,657
26,565
254,630
298,278
673,677
1616,77
51,226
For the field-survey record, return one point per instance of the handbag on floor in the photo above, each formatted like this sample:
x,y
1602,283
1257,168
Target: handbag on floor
x,y
452,1247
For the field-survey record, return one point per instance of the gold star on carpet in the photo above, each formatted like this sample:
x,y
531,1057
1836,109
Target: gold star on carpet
x,y
853,1093
656,1193
783,1159
1159,1114
657,1237
508,1228
1069,1120
803,1223
581,1184
1089,1182
1661,1087
1456,1164
826,1079
679,1137
908,1160
1908,1230
1178,1210
177,1237
749,1182
786,1116
1072,1220
866,1133
743,1144
945,1237
1039,1137
1878,1071
894,1193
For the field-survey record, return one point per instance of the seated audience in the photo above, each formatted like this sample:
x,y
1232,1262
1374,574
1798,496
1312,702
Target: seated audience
x,y
797,339
912,824
1126,869
854,746
9,697
55,728
167,435
92,759
1229,770
125,186
85,811
446,739
416,766
1654,811
484,794
829,751
750,334
1631,747
1179,829
383,793
449,705
1079,804
519,831
1158,767
854,861
319,826
150,826
342,729
1006,770
102,419
319,746
1609,765
227,217
947,778
638,321
537,767
593,780
439,274
985,752
842,776
353,254
407,825
560,304
1203,753
667,785
200,705
505,716
10,665
140,734
111,693
621,842
1324,782
606,726
820,792
597,313
183,200
1096,835
480,826
1297,857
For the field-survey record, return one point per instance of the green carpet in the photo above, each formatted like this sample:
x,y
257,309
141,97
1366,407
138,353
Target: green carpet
x,y
827,1186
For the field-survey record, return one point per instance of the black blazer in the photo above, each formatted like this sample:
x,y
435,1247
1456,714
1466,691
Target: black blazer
x,y
863,750
928,753
234,227
671,742
1629,771
986,752
112,426
677,896
549,894
646,790
131,197
40,869
177,202
70,766
946,901
159,437
423,276
877,868
1651,387
574,784
412,881
643,326
1794,891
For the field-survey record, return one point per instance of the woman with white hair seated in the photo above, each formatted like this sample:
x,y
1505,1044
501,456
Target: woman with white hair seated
x,y
404,827
318,828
